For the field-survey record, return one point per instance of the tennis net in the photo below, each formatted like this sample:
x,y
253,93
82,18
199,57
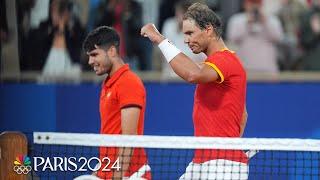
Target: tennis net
x,y
77,155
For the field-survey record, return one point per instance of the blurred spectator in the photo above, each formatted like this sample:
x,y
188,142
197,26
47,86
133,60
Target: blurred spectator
x,y
81,10
112,12
227,9
56,44
272,6
3,20
127,18
256,36
172,29
139,49
150,11
93,13
166,11
289,15
4,27
39,12
310,37
24,8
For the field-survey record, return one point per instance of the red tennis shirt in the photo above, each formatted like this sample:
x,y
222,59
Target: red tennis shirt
x,y
219,106
122,89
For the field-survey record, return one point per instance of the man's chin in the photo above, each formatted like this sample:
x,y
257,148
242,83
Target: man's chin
x,y
196,52
99,73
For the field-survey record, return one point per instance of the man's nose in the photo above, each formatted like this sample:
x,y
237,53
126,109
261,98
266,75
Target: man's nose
x,y
186,39
90,62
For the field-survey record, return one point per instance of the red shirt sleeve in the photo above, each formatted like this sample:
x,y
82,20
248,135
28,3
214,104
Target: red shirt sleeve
x,y
131,92
219,62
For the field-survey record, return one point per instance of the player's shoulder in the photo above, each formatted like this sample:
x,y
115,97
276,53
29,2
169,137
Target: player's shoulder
x,y
227,54
130,79
227,58
231,56
222,55
131,75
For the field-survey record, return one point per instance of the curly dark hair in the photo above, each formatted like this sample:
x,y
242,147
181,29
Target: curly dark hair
x,y
103,36
204,16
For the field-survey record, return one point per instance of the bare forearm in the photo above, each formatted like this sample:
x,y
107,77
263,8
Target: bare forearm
x,y
243,122
243,126
185,67
180,63
124,155
129,123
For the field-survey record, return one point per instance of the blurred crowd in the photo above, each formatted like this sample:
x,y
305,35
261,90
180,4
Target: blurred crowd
x,y
270,36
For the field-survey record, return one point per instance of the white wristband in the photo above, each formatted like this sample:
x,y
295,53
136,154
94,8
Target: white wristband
x,y
168,50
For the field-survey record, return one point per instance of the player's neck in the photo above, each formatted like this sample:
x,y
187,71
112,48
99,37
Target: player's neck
x,y
215,46
117,64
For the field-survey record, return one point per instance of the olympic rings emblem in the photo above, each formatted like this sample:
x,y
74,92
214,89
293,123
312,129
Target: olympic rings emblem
x,y
22,169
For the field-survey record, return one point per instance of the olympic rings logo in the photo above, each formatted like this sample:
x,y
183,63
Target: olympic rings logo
x,y
22,169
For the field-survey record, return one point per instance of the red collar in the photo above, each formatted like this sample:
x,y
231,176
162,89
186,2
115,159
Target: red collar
x,y
111,79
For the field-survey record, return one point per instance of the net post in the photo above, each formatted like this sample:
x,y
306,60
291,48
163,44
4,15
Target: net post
x,y
12,144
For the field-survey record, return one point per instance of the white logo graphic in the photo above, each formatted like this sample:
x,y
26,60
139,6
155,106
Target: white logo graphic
x,y
21,169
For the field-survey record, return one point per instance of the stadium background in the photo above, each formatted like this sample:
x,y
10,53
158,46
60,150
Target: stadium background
x,y
279,105
282,106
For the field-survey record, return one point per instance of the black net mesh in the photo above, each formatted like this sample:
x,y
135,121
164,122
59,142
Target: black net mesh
x,y
53,161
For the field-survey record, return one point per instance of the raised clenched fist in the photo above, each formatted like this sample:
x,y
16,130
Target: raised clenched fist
x,y
149,30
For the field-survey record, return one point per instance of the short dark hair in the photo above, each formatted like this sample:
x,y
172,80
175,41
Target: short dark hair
x,y
104,36
204,16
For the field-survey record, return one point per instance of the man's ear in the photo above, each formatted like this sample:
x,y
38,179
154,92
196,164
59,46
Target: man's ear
x,y
112,51
209,29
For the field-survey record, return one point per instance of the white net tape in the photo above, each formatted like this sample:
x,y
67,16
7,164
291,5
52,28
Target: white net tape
x,y
176,142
